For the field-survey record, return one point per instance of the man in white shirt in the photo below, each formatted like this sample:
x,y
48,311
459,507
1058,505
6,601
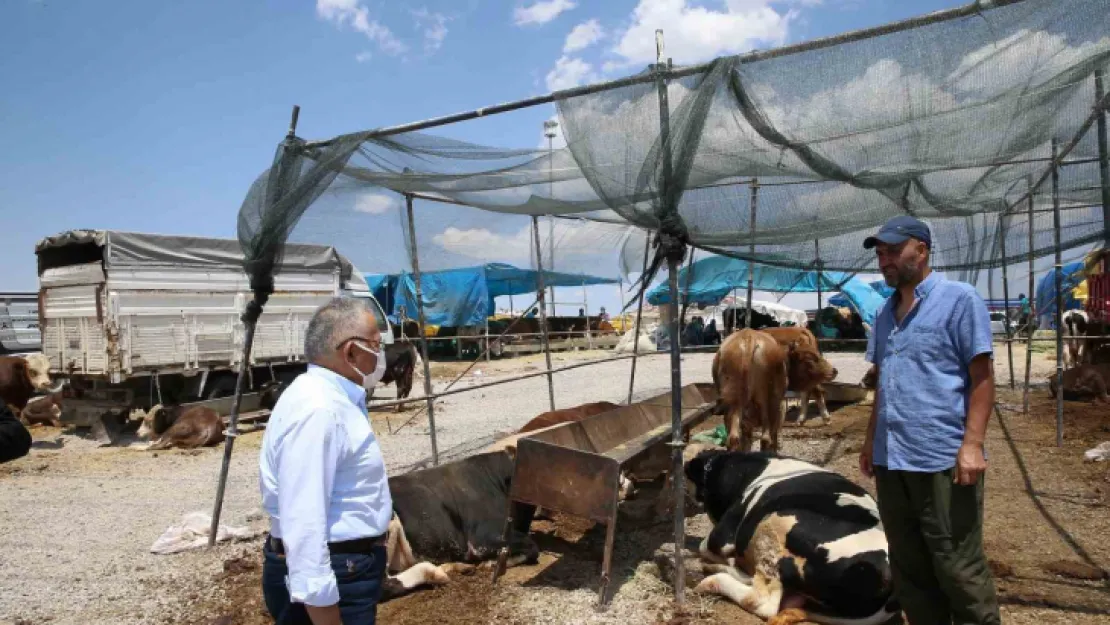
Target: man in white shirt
x,y
323,479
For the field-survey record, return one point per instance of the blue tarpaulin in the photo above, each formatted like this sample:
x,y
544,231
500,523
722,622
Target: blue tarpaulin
x,y
465,297
715,277
1046,290
865,299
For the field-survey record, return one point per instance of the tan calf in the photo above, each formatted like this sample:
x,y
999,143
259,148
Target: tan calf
x,y
750,374
807,369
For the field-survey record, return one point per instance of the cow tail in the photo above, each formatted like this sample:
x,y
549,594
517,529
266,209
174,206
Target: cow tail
x,y
747,375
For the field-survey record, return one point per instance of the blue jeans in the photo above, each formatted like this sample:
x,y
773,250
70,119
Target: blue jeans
x,y
359,577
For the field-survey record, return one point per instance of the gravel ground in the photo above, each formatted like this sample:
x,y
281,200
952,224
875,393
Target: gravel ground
x,y
78,521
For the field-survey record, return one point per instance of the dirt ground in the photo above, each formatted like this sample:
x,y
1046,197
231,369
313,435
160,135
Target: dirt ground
x,y
1047,536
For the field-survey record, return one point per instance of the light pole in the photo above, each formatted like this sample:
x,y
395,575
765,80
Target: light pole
x,y
549,127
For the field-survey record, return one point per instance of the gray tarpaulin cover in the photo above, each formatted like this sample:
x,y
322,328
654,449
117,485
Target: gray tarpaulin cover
x,y
130,249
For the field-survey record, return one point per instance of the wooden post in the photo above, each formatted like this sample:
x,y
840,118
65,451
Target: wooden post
x,y
1006,296
751,251
423,333
1032,329
678,482
543,311
639,315
1059,278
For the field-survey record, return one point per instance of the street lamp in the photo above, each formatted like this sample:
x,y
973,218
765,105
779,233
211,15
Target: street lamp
x,y
549,127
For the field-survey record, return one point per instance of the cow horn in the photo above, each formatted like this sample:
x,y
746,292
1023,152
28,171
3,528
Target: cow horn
x,y
57,388
153,412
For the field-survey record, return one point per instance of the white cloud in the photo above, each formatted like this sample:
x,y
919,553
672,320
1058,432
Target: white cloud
x,y
569,72
578,246
375,203
541,12
364,56
355,15
695,33
583,36
434,26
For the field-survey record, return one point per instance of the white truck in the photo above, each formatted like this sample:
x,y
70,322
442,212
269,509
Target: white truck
x,y
132,320
19,323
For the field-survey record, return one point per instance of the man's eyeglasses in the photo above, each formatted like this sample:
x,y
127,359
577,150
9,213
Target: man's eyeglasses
x,y
373,345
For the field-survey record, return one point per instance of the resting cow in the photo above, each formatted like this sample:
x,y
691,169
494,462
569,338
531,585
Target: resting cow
x,y
43,410
807,369
454,513
184,428
1075,335
23,376
792,542
1084,382
750,374
567,415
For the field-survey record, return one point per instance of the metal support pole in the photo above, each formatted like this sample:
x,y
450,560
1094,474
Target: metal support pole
x,y
486,341
1033,312
639,315
543,310
678,481
232,427
1006,297
250,321
586,311
817,257
1103,160
1059,277
751,251
423,334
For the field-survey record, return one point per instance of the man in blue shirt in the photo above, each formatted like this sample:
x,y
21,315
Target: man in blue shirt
x,y
924,444
323,479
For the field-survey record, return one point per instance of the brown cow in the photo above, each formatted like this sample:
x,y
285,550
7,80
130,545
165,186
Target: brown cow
x,y
185,428
21,377
567,415
43,410
807,368
1084,382
749,372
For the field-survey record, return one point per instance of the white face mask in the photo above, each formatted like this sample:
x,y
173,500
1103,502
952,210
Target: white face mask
x,y
369,381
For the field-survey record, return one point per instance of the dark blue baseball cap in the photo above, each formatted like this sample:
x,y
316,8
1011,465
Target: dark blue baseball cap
x,y
897,230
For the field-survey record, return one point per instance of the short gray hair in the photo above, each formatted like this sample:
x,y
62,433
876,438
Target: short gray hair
x,y
339,319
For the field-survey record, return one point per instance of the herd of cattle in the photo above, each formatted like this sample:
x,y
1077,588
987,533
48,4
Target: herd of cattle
x,y
790,541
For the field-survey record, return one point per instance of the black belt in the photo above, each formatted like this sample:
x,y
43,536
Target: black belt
x,y
359,545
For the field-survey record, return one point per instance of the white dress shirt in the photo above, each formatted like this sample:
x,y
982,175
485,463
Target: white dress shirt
x,y
322,477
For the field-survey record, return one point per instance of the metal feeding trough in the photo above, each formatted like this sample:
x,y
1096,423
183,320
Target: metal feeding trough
x,y
575,468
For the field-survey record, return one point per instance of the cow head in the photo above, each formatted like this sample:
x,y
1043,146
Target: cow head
x,y
270,392
156,421
38,373
719,477
809,365
871,378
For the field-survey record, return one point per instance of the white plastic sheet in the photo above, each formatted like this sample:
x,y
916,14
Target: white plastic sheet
x,y
192,533
1098,454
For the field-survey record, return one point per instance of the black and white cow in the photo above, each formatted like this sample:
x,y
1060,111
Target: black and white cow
x,y
1075,333
451,514
791,541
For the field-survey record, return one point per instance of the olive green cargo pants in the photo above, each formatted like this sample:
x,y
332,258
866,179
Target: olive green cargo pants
x,y
934,528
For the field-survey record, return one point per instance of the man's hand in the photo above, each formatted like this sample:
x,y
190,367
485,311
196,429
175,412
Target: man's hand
x,y
970,464
328,615
866,458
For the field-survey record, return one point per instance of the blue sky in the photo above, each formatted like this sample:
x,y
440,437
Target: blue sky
x,y
157,116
